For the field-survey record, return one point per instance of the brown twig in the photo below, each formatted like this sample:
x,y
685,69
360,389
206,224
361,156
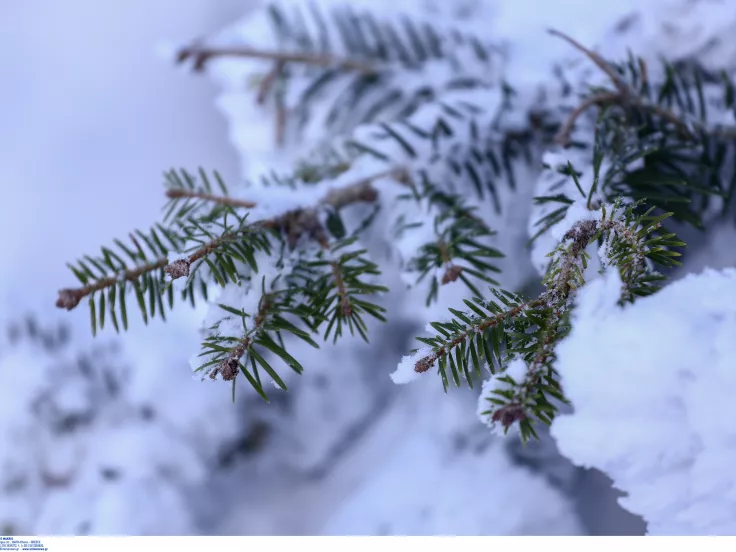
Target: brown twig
x,y
230,366
563,136
265,87
346,306
596,58
362,190
175,193
268,81
624,97
70,298
202,54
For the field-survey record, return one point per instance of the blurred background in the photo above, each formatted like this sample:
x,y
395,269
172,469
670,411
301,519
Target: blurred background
x,y
112,435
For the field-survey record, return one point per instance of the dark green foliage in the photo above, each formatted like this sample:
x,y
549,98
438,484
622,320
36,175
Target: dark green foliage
x,y
329,290
460,249
339,294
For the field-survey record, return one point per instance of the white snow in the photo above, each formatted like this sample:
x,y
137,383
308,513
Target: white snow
x,y
71,438
443,478
413,493
651,386
405,372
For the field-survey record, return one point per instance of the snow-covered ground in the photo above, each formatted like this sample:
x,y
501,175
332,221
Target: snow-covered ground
x,y
90,118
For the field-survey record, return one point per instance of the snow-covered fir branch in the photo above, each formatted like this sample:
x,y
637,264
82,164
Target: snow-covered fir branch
x,y
400,145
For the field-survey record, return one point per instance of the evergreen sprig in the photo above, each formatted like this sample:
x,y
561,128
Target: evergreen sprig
x,y
107,279
208,240
262,332
338,294
311,293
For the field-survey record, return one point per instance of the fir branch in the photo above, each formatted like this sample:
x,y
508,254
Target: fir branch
x,y
327,285
188,195
361,58
280,311
531,393
629,98
335,296
460,250
232,243
625,96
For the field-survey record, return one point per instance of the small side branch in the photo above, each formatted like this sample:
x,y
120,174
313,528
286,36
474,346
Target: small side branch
x,y
596,58
425,363
268,81
176,193
625,96
604,98
563,136
70,298
230,366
